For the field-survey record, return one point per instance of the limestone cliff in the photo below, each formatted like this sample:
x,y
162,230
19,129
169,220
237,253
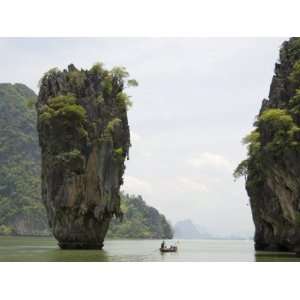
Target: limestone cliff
x,y
84,139
272,169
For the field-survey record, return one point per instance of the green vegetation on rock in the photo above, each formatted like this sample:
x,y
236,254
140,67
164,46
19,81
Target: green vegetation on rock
x,y
21,210
63,107
282,133
139,221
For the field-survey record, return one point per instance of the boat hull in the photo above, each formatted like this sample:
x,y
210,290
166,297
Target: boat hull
x,y
168,250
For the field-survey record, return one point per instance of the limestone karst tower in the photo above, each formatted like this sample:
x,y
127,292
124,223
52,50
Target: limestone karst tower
x,y
272,169
84,139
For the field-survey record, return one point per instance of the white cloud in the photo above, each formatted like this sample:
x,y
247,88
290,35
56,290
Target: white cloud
x,y
137,186
207,159
191,184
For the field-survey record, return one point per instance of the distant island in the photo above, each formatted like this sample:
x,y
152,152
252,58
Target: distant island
x,y
21,209
186,229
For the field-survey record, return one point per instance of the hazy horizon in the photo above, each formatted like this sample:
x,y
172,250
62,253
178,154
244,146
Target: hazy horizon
x,y
196,99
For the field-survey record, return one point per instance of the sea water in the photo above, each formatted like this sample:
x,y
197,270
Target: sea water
x,y
46,249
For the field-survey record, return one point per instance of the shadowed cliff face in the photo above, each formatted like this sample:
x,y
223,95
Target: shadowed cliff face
x,y
84,139
272,169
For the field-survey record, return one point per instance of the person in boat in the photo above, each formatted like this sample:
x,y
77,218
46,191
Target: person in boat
x,y
162,246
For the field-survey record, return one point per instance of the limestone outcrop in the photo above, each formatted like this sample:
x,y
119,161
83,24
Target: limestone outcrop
x,y
272,169
84,138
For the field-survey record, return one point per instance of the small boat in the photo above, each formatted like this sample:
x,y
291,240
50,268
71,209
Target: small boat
x,y
168,249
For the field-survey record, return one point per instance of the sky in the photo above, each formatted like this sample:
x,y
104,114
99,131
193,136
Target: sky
x,y
197,98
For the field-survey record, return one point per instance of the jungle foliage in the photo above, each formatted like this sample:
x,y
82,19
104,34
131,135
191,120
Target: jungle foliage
x,y
139,221
21,210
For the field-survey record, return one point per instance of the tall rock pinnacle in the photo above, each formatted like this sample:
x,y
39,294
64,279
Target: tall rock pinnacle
x,y
272,169
84,139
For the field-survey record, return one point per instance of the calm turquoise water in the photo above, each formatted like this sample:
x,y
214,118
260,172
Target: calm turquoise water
x,y
46,249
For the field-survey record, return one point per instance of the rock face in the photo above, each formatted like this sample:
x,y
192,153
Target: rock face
x,y
272,169
84,139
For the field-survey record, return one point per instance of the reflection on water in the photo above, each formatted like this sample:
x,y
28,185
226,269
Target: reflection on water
x,y
46,249
276,256
75,255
